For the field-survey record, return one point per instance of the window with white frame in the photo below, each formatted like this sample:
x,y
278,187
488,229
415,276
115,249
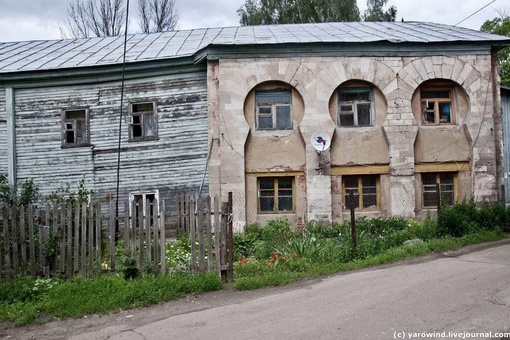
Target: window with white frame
x,y
75,126
143,206
276,194
437,105
355,106
143,123
274,109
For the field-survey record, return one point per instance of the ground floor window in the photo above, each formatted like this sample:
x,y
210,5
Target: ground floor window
x,y
445,181
365,192
143,204
276,194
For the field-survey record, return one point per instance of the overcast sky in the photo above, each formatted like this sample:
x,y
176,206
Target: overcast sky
x,y
22,20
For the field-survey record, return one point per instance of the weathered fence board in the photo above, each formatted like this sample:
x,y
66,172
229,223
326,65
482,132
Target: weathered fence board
x,y
71,238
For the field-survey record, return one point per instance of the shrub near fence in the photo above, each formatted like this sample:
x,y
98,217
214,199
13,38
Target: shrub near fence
x,y
71,238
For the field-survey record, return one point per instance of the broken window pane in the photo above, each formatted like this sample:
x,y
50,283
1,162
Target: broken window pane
x,y
75,128
355,107
144,122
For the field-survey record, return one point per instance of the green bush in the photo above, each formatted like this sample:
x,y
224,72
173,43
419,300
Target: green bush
x,y
493,216
458,220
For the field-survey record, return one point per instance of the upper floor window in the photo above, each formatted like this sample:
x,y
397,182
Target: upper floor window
x,y
364,189
274,109
437,106
75,128
143,123
355,106
445,181
276,194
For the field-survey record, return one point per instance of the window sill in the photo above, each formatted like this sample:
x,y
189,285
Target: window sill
x,y
279,213
88,145
148,139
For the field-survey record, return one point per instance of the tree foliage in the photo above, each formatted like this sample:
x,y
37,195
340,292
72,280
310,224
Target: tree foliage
x,y
157,15
375,11
266,12
501,26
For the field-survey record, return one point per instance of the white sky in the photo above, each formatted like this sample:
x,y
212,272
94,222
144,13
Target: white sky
x,y
22,20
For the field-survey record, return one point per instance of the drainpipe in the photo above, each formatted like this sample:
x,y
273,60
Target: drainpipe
x,y
498,124
11,136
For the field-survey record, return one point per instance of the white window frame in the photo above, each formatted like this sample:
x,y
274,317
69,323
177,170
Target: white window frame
x,y
354,105
73,123
273,108
144,195
146,119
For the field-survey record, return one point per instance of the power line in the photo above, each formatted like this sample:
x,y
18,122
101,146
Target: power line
x,y
474,13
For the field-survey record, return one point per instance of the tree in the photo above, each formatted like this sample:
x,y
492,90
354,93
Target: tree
x,y
266,12
375,12
501,26
157,15
86,18
95,18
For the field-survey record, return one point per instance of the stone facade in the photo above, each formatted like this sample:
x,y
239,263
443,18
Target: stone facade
x,y
395,148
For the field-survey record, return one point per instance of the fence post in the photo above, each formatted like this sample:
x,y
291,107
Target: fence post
x,y
22,233
353,221
230,240
209,234
217,233
162,235
438,198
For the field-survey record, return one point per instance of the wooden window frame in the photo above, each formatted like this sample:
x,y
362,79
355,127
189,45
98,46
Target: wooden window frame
x,y
276,195
273,107
142,119
424,103
359,188
71,125
429,190
354,104
143,194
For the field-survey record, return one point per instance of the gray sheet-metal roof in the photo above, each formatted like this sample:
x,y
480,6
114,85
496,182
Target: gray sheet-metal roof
x,y
62,54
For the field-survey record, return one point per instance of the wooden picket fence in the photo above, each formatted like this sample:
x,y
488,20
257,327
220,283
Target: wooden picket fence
x,y
209,226
70,238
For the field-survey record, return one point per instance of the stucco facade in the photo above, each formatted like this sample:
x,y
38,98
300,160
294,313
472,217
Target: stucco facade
x,y
398,148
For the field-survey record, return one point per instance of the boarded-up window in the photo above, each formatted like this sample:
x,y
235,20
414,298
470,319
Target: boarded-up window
x,y
274,110
143,123
75,128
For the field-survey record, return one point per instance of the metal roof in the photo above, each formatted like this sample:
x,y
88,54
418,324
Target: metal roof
x,y
65,54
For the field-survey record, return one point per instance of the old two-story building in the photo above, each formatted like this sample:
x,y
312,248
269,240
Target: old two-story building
x,y
406,106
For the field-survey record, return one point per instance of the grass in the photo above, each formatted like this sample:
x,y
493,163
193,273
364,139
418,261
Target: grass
x,y
276,256
24,301
259,274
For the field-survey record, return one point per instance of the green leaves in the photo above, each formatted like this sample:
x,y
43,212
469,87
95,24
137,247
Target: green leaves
x,y
501,26
267,12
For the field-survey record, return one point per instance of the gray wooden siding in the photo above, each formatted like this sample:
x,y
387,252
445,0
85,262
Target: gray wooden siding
x,y
173,163
3,133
